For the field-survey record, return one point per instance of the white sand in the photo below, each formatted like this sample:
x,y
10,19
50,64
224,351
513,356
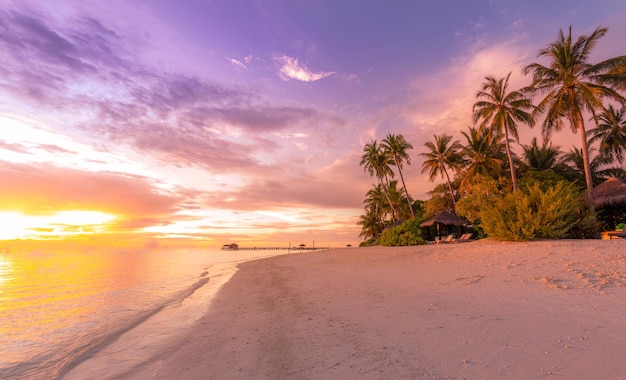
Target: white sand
x,y
478,310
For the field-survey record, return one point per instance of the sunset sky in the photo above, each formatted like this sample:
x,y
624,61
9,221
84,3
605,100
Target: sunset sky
x,y
244,121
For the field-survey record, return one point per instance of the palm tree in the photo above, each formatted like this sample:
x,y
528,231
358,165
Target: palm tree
x,y
482,154
441,155
376,162
399,201
600,170
396,147
371,226
500,110
572,85
376,201
611,132
544,157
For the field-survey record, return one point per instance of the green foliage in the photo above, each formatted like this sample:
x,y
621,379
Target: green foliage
x,y
620,226
439,201
407,233
532,213
368,242
418,209
480,191
545,178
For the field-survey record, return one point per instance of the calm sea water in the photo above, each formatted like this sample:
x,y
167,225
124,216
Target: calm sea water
x,y
57,308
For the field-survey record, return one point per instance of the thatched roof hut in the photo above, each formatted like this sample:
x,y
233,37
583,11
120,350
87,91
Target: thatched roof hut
x,y
445,218
611,192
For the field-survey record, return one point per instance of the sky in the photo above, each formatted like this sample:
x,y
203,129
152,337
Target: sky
x,y
244,121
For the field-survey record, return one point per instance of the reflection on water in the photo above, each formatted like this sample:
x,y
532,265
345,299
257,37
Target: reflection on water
x,y
45,297
6,275
55,306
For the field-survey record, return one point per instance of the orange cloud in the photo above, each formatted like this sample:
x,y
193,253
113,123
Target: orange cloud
x,y
45,189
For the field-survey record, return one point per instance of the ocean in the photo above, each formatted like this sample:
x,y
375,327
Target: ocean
x,y
60,309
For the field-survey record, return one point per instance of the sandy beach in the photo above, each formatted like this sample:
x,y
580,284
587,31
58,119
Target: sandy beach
x,y
478,310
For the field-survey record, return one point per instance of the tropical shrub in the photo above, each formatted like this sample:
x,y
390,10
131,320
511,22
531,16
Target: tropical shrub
x,y
545,178
439,200
369,242
480,191
407,233
532,213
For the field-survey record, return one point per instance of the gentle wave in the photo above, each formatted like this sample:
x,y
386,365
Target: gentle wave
x,y
60,308
96,345
64,310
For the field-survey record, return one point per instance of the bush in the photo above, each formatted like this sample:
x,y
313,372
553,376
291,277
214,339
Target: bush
x,y
535,211
407,233
481,191
532,213
620,226
369,242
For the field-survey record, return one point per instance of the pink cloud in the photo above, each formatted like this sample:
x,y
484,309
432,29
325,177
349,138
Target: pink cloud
x,y
291,68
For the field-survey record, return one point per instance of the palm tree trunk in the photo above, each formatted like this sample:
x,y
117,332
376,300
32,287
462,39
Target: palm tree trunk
x,y
386,187
588,178
408,198
585,152
508,153
450,188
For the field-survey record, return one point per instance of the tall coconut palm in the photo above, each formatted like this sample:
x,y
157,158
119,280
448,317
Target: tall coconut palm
x,y
500,111
376,162
396,147
570,85
611,132
482,154
443,154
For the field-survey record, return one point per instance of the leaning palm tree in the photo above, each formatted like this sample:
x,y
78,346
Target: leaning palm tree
x,y
376,162
443,154
482,155
611,132
570,85
500,111
396,147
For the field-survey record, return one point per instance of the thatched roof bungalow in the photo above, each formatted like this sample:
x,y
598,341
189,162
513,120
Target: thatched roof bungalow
x,y
445,218
611,192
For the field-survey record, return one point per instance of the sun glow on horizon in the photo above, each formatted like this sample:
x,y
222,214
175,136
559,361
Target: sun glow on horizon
x,y
16,225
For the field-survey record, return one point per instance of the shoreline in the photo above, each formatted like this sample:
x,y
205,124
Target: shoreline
x,y
475,310
160,333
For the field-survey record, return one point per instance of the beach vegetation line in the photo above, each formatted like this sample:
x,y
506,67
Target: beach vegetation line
x,y
554,197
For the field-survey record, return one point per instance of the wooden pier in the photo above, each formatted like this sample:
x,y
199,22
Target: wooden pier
x,y
275,249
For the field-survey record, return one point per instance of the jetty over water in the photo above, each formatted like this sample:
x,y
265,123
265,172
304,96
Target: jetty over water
x,y
297,248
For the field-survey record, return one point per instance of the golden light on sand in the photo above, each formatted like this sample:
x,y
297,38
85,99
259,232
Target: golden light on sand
x,y
16,225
